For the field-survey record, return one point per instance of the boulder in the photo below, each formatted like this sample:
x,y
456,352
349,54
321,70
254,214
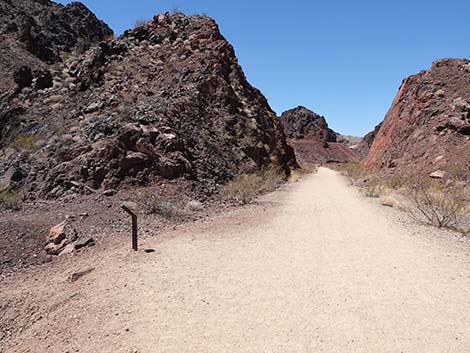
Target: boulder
x,y
60,236
83,242
93,107
64,238
61,231
438,174
43,79
23,77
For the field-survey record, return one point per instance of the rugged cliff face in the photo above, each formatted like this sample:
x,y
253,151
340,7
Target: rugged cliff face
x,y
312,139
427,128
165,100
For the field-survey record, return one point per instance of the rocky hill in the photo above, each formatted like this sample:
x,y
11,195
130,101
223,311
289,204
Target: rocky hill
x,y
427,129
312,139
165,100
37,33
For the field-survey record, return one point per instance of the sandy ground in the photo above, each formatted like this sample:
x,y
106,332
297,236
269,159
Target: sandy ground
x,y
315,267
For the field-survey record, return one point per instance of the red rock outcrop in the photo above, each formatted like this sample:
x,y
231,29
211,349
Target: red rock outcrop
x,y
312,139
428,125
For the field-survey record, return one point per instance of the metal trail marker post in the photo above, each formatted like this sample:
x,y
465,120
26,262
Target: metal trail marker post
x,y
134,226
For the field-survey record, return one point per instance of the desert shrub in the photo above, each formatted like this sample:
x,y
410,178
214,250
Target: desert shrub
x,y
395,182
172,211
139,22
271,178
308,168
245,187
351,169
372,190
26,143
10,200
432,203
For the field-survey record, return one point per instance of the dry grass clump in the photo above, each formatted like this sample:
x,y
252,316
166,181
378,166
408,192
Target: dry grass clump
x,y
353,170
372,189
10,200
139,22
370,184
294,176
245,187
308,168
271,178
171,211
26,143
438,206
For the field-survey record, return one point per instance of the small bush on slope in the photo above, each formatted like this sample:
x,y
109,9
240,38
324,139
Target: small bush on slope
x,y
440,207
245,187
10,200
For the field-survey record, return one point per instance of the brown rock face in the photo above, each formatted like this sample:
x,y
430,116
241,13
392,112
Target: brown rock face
x,y
301,123
428,125
165,100
312,139
33,33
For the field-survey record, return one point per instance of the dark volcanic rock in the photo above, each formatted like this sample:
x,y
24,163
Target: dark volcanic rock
x,y
312,139
46,29
428,124
166,100
34,33
23,77
300,123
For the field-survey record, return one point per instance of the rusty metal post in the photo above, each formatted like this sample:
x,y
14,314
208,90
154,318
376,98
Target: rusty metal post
x,y
134,226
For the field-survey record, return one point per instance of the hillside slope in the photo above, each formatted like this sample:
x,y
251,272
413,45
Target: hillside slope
x,y
427,128
312,139
165,100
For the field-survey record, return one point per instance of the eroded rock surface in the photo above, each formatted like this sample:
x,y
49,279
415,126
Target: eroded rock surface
x,y
312,139
428,125
166,100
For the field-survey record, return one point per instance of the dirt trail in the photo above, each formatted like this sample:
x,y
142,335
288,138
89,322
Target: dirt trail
x,y
313,268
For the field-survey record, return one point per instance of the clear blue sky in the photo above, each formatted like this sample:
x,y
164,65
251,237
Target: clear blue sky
x,y
343,59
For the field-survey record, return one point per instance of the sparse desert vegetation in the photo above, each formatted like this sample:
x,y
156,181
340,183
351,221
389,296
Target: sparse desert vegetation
x,y
153,200
437,205
245,187
443,205
10,200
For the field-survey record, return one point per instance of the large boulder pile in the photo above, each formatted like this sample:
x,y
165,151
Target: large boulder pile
x,y
166,100
37,33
